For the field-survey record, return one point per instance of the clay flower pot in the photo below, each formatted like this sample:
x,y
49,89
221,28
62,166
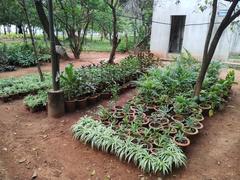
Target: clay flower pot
x,y
70,106
118,115
106,95
206,107
199,117
93,99
177,118
190,131
150,110
199,126
153,151
81,103
155,125
184,143
172,131
163,121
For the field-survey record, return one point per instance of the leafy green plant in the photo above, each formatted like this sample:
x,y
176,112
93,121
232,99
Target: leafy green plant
x,y
106,139
35,101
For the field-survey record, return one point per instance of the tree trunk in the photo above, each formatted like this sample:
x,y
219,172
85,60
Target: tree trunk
x,y
230,17
32,39
4,29
205,59
20,30
115,40
44,21
126,38
24,35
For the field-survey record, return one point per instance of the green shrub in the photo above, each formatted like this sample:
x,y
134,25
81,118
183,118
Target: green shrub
x,y
38,100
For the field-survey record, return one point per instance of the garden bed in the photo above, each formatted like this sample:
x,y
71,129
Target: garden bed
x,y
161,119
87,85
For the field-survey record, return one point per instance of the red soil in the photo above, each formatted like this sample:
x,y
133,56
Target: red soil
x,y
34,142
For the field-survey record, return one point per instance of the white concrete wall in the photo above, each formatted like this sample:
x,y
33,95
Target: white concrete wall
x,y
194,35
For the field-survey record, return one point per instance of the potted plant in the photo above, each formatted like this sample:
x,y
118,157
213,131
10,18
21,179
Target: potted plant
x,y
155,125
68,81
177,117
183,106
181,140
103,113
206,107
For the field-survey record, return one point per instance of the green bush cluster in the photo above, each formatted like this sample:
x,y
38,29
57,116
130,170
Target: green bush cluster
x,y
36,101
174,84
23,85
21,55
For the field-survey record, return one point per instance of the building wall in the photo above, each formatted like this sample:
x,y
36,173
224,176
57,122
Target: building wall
x,y
194,35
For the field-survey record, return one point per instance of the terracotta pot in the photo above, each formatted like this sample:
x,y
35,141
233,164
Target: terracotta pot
x,y
140,131
177,118
81,103
118,116
199,126
106,95
147,145
150,110
155,125
163,121
176,125
146,121
153,151
182,144
190,131
172,131
132,85
199,117
123,89
93,99
205,108
107,123
70,106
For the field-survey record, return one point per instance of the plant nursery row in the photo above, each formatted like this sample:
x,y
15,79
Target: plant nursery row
x,y
153,128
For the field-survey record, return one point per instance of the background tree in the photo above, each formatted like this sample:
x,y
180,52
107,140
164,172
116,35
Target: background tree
x,y
113,5
24,7
74,17
45,24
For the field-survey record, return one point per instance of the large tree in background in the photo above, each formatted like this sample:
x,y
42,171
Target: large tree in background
x,y
24,7
45,24
142,11
114,5
213,40
74,17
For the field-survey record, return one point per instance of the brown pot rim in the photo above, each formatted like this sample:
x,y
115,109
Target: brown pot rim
x,y
173,117
181,144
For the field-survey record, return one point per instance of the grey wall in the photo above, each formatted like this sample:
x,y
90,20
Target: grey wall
x,y
194,35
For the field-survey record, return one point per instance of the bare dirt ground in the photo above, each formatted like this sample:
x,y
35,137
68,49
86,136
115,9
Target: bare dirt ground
x,y
86,58
34,143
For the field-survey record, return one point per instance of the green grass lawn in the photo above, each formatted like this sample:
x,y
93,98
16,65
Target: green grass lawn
x,y
90,45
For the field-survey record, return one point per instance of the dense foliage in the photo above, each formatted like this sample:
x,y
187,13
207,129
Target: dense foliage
x,y
23,85
21,55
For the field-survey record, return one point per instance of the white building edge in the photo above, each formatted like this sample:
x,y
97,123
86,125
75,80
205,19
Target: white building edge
x,y
179,26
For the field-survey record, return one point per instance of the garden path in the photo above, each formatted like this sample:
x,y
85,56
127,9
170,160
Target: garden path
x,y
86,58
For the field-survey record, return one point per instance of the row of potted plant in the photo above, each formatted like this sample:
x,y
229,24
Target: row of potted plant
x,y
127,148
96,82
164,111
